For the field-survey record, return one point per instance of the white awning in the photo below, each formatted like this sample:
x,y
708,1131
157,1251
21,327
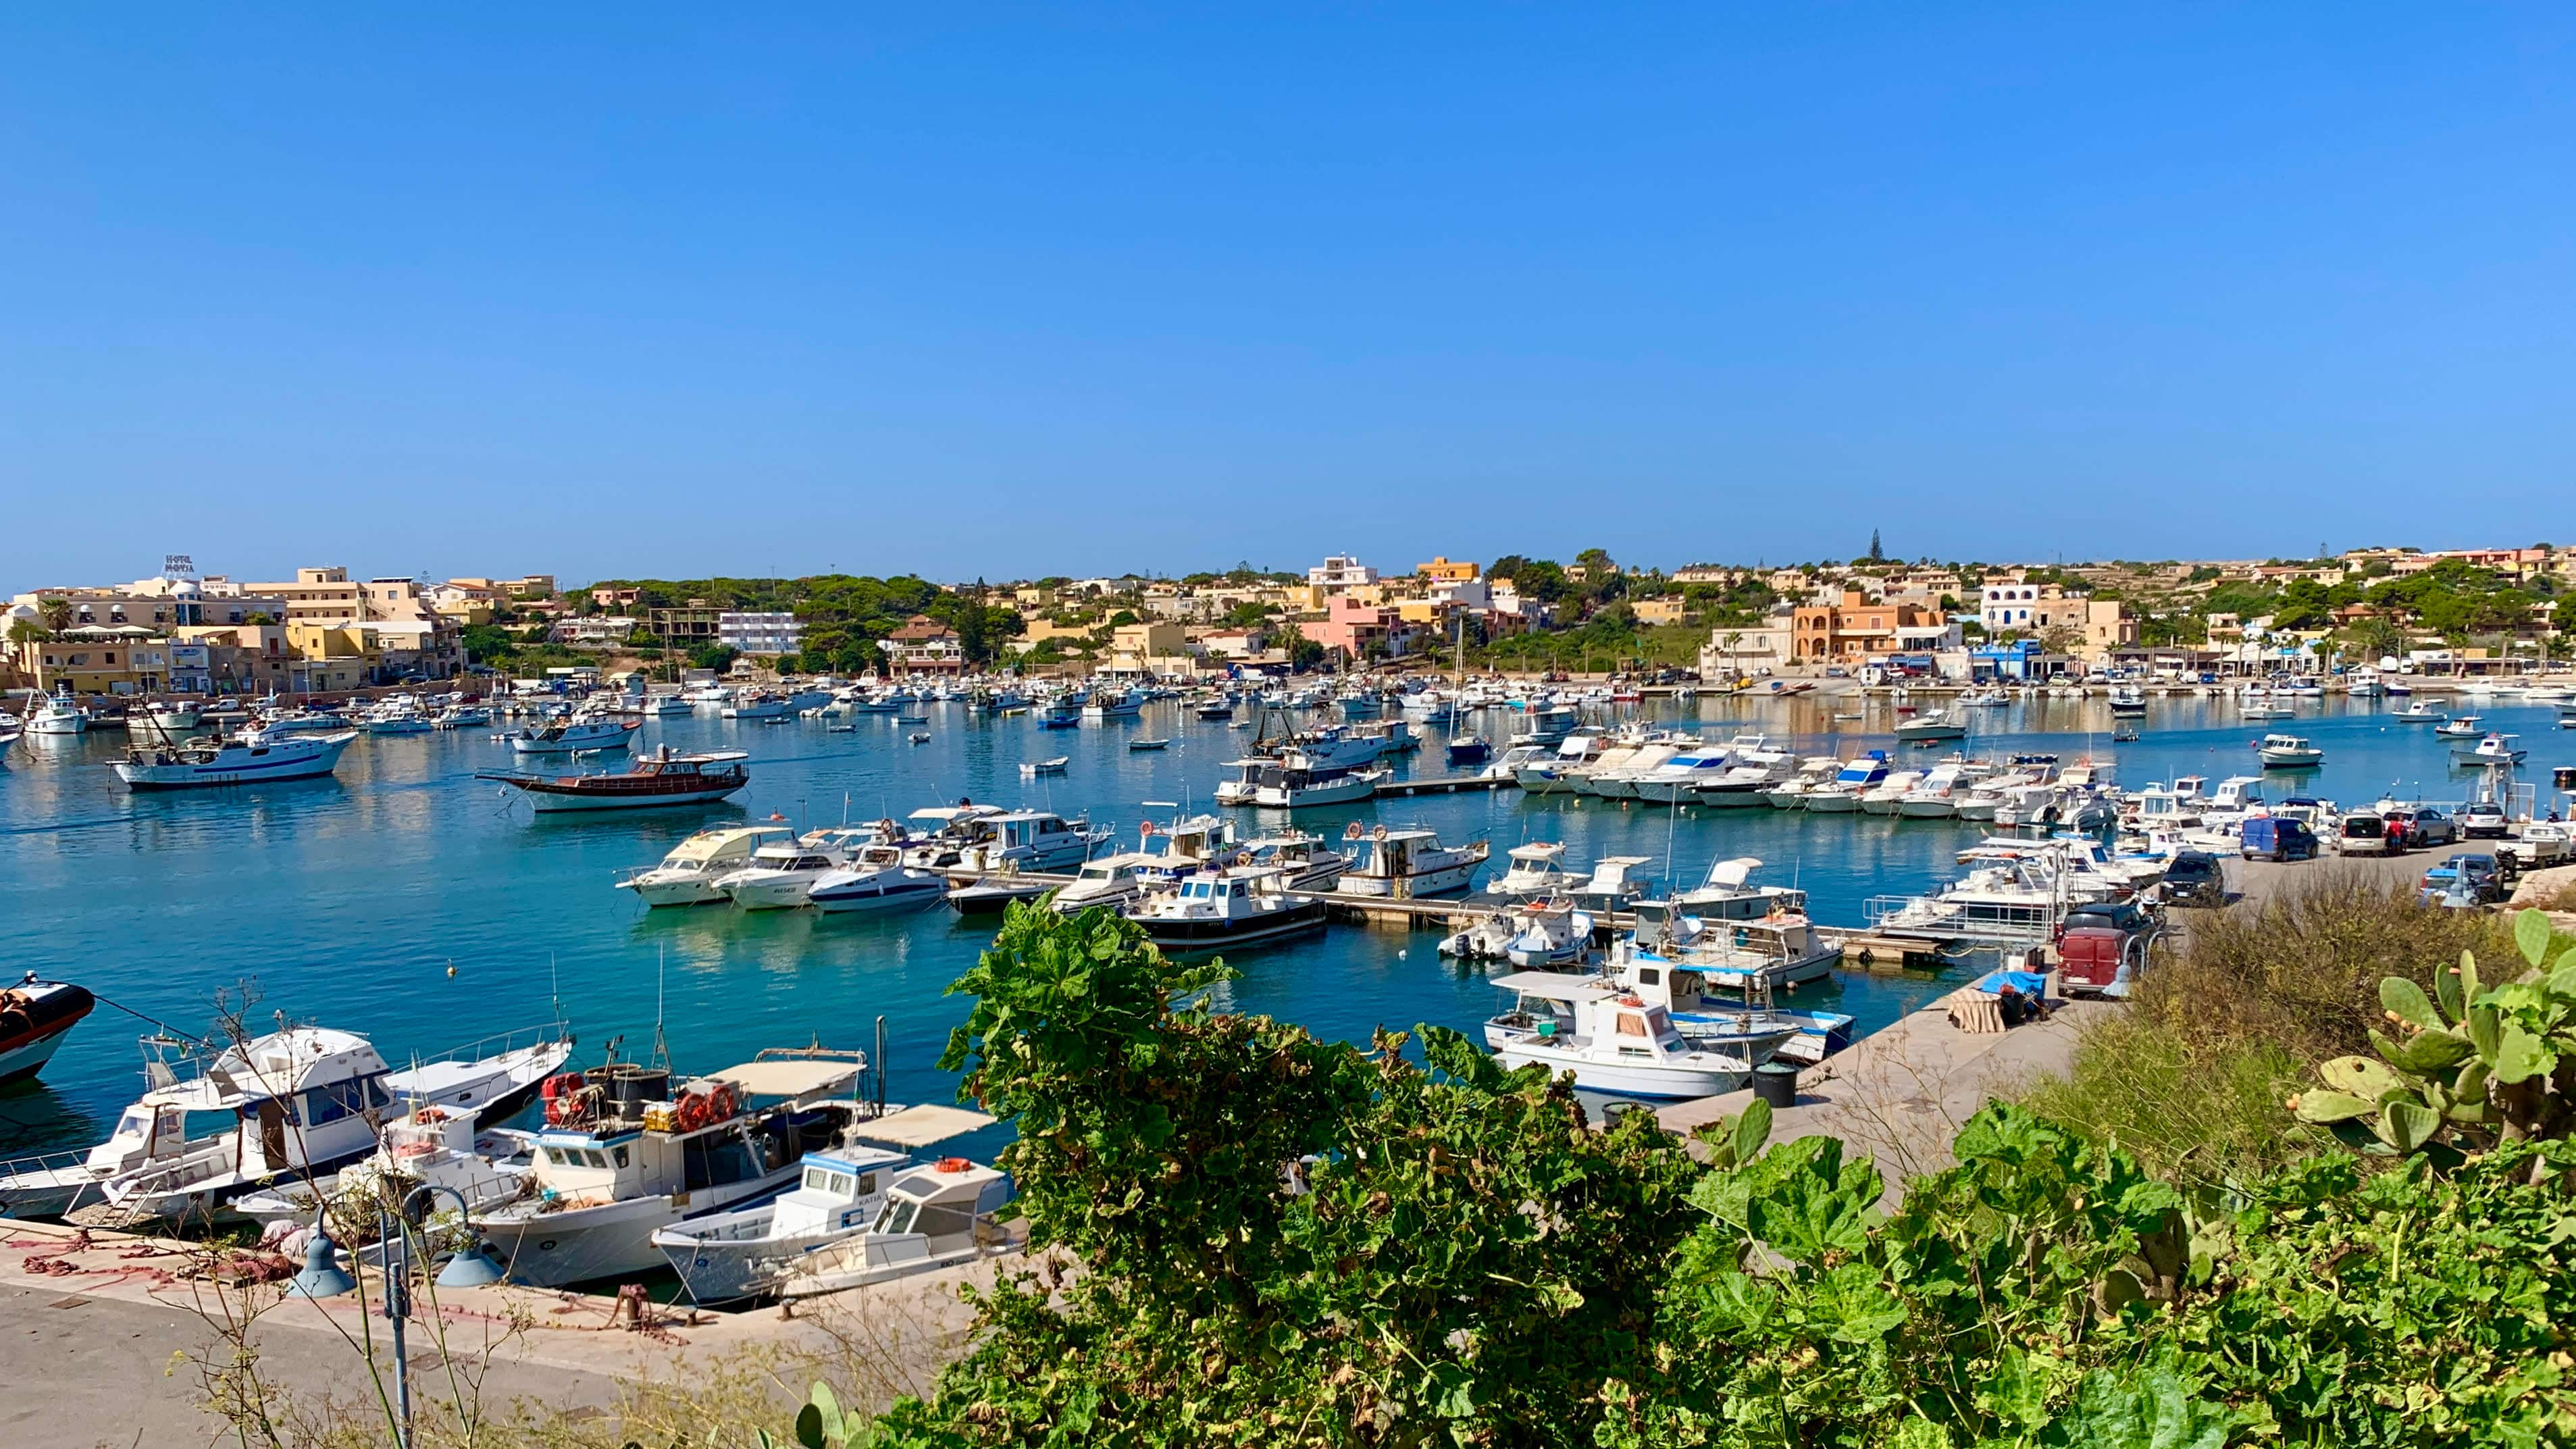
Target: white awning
x,y
921,1126
790,1078
1554,985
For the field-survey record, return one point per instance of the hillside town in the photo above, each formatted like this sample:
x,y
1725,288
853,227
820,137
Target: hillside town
x,y
327,631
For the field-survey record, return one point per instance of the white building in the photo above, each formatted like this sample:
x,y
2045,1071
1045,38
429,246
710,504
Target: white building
x,y
1340,571
755,633
593,631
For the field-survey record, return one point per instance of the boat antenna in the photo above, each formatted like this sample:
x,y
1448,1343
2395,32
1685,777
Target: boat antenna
x,y
880,1073
661,1044
554,984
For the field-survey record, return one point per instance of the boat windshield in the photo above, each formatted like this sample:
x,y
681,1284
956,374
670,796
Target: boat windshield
x,y
898,1216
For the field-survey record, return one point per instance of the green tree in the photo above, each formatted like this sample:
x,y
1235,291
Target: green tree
x,y
2374,639
1877,554
718,657
28,631
56,614
1303,653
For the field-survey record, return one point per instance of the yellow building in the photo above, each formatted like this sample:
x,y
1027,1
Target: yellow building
x,y
1149,640
1441,571
1659,611
96,660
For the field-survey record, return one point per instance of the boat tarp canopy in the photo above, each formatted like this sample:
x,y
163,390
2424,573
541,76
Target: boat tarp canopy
x,y
789,1078
1553,985
921,1126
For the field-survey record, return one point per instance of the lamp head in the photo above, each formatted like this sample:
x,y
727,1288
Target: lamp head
x,y
323,1277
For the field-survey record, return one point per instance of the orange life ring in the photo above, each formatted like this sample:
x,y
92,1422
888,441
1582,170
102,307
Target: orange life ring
x,y
562,1092
693,1112
954,1164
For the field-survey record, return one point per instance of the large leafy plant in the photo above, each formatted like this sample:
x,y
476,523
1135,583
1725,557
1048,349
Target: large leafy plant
x,y
2466,1068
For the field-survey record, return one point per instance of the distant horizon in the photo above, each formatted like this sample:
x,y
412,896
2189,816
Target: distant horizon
x,y
965,292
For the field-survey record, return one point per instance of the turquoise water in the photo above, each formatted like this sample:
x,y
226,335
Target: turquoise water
x,y
349,900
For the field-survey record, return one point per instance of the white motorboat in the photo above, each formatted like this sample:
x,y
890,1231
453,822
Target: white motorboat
x,y
1936,797
1535,869
688,876
875,880
2460,727
56,715
253,760
1548,935
1408,864
1881,799
2491,749
623,1155
1295,781
1221,909
1703,1017
1677,780
1747,782
1931,725
2128,702
1053,765
1127,704
2288,752
295,722
757,704
1110,882
1304,862
463,716
1812,774
1841,795
666,706
564,737
1029,840
1612,1041
935,1216
396,717
287,1105
839,1193
781,875
165,719
2420,712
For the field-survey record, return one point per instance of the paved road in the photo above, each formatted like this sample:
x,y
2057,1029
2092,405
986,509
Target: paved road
x,y
87,1370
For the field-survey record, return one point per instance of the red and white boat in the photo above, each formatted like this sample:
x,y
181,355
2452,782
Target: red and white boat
x,y
35,1016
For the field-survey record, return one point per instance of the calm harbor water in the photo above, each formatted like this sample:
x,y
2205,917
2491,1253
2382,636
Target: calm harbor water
x,y
348,901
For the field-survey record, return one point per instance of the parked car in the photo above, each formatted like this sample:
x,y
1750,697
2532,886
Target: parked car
x,y
2363,833
2543,843
2271,837
2484,821
2422,825
2194,878
2473,876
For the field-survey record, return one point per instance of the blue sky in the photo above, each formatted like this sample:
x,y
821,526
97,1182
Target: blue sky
x,y
1000,291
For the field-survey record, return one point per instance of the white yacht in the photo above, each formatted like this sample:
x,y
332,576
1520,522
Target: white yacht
x,y
935,1216
1030,840
1613,776
460,715
2288,752
584,732
1221,909
1611,1041
1931,725
1293,782
688,875
839,1193
756,704
1677,780
1409,863
781,875
1842,793
1881,799
300,1101
1126,704
1812,774
202,763
1936,797
875,880
1304,862
1547,935
1536,869
400,715
1110,882
1749,781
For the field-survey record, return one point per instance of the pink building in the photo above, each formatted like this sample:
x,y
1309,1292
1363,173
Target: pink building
x,y
1349,627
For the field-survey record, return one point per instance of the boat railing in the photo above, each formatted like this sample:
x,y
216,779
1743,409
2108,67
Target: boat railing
x,y
520,1039
1936,918
43,1167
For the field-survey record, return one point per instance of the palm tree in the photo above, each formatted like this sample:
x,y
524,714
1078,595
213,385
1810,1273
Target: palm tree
x,y
57,614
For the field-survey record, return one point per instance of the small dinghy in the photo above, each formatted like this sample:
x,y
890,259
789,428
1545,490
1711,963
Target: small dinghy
x,y
1047,767
1135,745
